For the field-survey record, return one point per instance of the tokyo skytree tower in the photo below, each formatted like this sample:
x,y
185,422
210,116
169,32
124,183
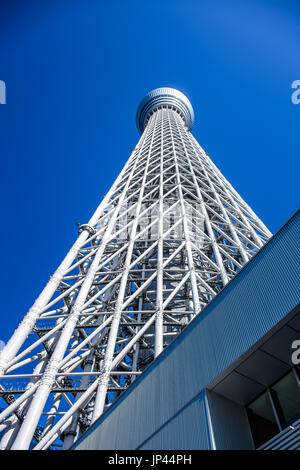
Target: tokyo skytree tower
x,y
167,237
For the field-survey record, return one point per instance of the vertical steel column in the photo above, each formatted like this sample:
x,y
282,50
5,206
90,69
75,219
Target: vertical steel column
x,y
159,337
104,377
215,248
196,301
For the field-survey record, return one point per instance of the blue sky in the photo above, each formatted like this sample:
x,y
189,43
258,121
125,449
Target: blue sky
x,y
75,72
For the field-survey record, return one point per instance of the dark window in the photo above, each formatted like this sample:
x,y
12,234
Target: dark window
x,y
275,409
287,395
262,420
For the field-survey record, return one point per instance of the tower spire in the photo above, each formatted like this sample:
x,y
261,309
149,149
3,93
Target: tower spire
x,y
167,237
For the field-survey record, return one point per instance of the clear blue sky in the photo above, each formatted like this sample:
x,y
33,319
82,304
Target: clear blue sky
x,y
75,72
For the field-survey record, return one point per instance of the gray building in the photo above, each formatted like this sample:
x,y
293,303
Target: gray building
x,y
230,380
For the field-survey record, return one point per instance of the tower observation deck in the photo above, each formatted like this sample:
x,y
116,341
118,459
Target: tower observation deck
x,y
166,238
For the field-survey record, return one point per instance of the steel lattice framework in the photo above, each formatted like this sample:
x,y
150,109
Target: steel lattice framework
x,y
168,236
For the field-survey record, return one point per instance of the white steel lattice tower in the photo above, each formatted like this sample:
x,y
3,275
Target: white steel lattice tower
x,y
168,236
